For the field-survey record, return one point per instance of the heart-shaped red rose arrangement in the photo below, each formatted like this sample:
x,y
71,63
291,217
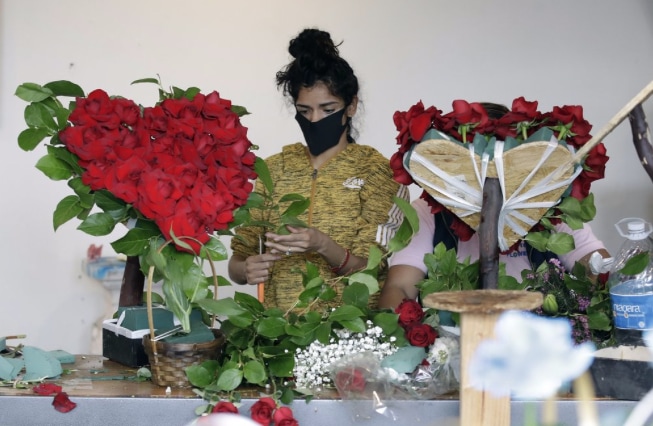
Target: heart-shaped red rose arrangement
x,y
447,155
184,164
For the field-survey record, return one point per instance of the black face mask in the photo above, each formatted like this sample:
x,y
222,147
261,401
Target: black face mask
x,y
323,134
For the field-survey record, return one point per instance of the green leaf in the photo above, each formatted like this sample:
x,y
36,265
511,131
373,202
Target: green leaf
x,y
599,321
282,365
230,379
226,306
67,209
366,279
296,208
636,264
573,222
54,168
134,243
191,92
65,88
146,80
203,374
249,302
271,327
37,115
345,312
374,258
356,294
86,198
29,139
537,240
263,172
67,157
587,208
323,332
178,303
409,226
32,92
239,110
387,321
571,206
356,325
560,243
98,224
255,373
214,249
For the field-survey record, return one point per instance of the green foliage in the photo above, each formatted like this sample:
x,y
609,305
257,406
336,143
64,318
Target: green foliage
x,y
571,211
261,343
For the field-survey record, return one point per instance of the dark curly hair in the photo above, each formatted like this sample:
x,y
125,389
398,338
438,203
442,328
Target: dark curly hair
x,y
316,59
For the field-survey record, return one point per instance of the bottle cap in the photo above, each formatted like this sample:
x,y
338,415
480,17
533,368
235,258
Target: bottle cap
x,y
637,229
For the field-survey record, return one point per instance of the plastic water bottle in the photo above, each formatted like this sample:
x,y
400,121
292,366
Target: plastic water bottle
x,y
632,295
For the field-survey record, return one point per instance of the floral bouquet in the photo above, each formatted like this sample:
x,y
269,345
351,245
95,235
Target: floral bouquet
x,y
420,362
584,303
532,153
175,173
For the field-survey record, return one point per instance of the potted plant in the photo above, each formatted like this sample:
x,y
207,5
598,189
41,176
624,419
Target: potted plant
x,y
175,174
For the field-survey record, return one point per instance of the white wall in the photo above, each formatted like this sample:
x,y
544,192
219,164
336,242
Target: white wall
x,y
597,54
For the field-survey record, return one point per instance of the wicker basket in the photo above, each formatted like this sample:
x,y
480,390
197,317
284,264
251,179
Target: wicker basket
x,y
168,361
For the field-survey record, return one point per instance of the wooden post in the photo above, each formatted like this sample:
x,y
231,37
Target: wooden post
x,y
479,311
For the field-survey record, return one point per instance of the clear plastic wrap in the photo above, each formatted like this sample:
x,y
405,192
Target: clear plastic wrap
x,y
409,375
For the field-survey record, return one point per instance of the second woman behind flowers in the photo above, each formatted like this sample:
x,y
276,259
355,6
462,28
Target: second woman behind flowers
x,y
350,186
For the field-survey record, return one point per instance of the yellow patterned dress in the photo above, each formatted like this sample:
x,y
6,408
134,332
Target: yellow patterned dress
x,y
351,201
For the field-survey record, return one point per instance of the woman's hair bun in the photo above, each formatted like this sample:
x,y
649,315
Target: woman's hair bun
x,y
313,46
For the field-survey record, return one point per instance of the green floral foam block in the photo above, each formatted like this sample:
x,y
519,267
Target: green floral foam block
x,y
40,364
10,367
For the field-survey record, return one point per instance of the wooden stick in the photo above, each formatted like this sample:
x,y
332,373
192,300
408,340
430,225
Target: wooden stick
x,y
614,122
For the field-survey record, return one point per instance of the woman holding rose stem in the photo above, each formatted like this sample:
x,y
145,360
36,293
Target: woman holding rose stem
x,y
350,186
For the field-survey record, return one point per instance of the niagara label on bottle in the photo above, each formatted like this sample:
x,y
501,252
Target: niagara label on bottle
x,y
632,294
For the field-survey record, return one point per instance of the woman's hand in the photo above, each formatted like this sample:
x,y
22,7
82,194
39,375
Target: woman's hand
x,y
300,240
257,267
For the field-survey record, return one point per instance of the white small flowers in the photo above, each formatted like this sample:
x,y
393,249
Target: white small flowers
x,y
530,357
311,363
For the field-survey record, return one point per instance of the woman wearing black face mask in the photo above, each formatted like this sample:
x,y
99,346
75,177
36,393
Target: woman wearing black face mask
x,y
350,185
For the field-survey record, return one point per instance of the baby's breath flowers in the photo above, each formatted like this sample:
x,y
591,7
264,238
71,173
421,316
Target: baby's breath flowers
x,y
312,362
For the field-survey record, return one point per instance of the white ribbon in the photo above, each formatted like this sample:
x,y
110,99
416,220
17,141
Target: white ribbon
x,y
471,202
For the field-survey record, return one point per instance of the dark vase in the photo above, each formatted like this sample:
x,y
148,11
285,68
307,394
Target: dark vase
x,y
133,283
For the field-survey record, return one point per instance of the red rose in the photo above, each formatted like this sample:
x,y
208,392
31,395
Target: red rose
x,y
95,108
224,407
399,173
283,417
127,111
46,388
422,335
409,312
527,109
62,403
262,411
350,380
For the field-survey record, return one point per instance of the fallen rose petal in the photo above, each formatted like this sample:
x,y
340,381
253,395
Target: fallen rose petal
x,y
62,403
46,388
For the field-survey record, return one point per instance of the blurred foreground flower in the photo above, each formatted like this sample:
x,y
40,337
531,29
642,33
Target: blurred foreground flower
x,y
530,357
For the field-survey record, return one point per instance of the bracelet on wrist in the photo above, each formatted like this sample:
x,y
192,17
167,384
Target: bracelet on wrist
x,y
345,259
